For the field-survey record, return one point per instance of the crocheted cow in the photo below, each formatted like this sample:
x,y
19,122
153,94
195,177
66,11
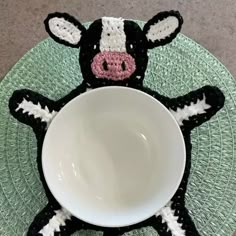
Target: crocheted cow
x,y
113,51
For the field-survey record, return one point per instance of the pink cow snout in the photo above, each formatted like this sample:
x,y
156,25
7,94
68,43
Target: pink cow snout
x,y
113,65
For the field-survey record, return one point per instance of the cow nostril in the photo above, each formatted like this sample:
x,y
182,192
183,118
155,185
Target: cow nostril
x,y
123,66
105,66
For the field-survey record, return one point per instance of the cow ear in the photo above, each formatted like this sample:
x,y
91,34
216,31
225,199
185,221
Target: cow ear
x,y
64,29
162,28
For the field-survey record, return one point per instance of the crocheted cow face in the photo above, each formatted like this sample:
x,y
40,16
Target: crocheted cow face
x,y
113,51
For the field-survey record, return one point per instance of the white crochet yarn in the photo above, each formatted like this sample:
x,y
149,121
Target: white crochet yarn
x,y
162,29
64,30
55,222
113,37
37,111
170,219
186,112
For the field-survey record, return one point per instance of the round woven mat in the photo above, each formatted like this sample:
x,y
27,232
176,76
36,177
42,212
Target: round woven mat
x,y
176,69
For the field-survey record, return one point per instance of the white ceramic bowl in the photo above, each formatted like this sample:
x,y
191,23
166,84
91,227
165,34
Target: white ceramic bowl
x,y
113,156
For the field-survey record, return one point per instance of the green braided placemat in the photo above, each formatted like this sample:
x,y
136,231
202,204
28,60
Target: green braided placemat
x,y
183,65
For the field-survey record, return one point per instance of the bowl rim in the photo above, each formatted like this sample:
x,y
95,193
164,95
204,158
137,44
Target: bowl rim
x,y
134,221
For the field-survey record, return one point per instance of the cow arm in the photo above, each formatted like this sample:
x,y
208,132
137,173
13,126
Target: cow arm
x,y
32,108
194,108
37,111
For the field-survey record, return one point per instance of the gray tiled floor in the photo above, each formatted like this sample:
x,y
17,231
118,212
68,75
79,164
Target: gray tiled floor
x,y
212,23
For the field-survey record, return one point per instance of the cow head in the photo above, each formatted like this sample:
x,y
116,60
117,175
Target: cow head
x,y
113,51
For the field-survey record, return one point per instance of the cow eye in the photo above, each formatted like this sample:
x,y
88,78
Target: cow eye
x,y
94,46
131,46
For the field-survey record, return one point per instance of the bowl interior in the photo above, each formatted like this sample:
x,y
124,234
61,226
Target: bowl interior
x,y
113,156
